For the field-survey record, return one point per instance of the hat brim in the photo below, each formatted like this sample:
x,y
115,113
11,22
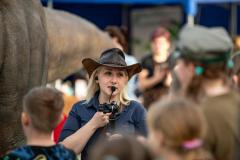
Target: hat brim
x,y
90,65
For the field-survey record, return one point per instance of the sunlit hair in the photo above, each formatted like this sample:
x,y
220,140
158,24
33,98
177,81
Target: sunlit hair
x,y
93,87
44,107
178,121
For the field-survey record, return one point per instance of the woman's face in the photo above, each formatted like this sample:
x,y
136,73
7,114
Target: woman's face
x,y
108,77
160,46
184,72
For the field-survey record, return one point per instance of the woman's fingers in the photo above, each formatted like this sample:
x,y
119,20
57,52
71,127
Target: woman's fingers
x,y
100,119
107,114
104,118
107,121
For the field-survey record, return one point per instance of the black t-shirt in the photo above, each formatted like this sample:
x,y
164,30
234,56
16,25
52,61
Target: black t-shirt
x,y
148,63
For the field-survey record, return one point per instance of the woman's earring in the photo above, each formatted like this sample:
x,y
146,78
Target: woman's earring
x,y
230,64
96,79
198,70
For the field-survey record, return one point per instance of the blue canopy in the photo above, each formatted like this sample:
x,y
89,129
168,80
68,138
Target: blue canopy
x,y
121,1
190,6
116,12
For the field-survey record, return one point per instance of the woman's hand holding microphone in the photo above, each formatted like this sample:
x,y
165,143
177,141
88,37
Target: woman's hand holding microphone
x,y
100,119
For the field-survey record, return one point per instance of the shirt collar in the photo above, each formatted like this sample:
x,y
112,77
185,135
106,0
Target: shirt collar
x,y
94,101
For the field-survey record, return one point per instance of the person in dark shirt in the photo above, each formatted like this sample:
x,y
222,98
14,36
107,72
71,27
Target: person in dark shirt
x,y
108,80
155,74
42,109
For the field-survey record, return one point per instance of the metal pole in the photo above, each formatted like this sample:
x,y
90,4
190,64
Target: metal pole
x,y
125,15
190,20
233,24
50,3
126,22
191,8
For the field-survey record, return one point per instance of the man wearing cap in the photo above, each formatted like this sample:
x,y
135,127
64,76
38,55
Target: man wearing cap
x,y
202,61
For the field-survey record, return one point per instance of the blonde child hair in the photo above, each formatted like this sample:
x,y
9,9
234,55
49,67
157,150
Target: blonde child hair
x,y
181,125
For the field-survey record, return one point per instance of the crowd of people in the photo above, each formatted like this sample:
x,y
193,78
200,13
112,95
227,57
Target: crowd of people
x,y
177,104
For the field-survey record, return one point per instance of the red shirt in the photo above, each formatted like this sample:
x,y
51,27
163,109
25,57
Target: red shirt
x,y
58,129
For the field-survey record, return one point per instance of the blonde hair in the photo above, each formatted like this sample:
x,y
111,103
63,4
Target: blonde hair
x,y
93,87
179,121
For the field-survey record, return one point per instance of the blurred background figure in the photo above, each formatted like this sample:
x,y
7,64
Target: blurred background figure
x,y
236,70
176,130
119,36
237,44
153,78
74,88
204,60
66,87
236,61
125,148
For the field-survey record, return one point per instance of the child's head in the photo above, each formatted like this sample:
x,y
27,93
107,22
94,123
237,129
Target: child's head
x,y
125,148
42,109
176,125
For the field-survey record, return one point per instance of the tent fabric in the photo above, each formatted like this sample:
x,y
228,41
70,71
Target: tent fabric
x,y
190,6
120,1
143,1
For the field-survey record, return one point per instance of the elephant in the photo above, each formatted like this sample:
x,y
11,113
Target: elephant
x,y
37,46
70,39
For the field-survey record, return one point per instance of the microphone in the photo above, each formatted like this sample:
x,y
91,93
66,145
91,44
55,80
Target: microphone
x,y
113,88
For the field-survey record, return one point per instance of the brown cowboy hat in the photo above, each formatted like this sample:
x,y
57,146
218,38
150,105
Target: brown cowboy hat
x,y
111,58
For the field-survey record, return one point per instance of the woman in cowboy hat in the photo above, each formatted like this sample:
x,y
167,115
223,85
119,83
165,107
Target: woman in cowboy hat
x,y
106,92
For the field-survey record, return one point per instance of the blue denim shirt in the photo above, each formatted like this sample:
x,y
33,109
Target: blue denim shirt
x,y
132,120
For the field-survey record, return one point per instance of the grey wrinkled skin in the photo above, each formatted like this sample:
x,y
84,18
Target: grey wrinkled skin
x,y
71,38
26,55
23,63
